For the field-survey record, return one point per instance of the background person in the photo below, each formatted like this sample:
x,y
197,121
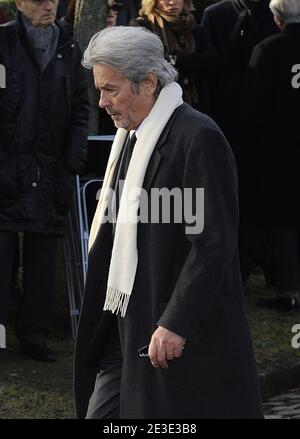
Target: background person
x,y
43,131
185,43
271,110
235,27
200,6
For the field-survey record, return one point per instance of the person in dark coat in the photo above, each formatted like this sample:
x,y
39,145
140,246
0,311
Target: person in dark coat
x,y
43,132
200,6
235,27
162,331
271,117
186,45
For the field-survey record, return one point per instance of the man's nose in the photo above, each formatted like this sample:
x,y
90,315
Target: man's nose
x,y
103,101
49,5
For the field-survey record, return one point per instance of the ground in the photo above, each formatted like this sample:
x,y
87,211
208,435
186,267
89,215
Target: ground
x,y
33,390
271,330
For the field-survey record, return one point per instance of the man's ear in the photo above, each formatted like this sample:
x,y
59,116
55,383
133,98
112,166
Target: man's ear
x,y
150,84
279,23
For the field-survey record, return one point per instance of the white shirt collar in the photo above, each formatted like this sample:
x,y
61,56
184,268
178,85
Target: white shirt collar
x,y
138,130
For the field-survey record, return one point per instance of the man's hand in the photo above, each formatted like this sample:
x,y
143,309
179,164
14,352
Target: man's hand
x,y
165,345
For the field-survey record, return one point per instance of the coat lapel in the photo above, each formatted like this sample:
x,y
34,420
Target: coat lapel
x,y
157,155
152,169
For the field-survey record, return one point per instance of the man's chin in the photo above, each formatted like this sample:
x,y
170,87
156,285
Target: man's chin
x,y
47,21
121,124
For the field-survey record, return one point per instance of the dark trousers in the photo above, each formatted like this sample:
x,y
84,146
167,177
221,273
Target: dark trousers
x,y
39,271
105,400
286,258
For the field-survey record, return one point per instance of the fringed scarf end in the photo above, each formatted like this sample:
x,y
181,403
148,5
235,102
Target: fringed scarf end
x,y
116,301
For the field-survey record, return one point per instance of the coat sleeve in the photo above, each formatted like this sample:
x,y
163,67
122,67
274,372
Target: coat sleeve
x,y
76,145
210,165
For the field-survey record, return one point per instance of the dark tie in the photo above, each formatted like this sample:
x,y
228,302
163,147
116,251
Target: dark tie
x,y
130,142
123,166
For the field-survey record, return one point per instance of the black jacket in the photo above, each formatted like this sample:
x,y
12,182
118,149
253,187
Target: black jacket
x,y
234,27
200,6
43,132
271,153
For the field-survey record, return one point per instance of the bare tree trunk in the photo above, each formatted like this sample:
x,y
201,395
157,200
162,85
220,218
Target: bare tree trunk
x,y
90,16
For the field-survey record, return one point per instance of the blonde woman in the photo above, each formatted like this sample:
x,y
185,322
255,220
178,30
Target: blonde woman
x,y
186,45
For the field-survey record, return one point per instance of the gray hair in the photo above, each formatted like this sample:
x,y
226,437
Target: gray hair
x,y
132,51
287,10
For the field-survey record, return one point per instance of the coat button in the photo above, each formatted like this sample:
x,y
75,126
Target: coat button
x,y
72,45
34,184
59,55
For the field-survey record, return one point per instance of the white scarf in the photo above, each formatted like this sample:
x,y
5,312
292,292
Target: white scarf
x,y
120,281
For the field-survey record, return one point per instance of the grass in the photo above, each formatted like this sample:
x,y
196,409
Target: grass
x,y
271,330
32,390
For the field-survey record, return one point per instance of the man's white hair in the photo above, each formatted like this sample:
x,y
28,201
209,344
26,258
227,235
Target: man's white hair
x,y
287,10
132,51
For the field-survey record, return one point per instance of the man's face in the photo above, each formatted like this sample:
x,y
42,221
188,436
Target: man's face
x,y
117,95
39,12
170,7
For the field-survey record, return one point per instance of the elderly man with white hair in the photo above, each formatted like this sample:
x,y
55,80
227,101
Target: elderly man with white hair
x,y
285,12
271,109
162,331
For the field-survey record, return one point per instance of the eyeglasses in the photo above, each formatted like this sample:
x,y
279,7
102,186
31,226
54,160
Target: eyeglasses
x,y
143,352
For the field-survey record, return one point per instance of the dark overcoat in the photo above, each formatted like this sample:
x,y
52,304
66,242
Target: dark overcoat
x,y
188,283
271,106
43,131
234,27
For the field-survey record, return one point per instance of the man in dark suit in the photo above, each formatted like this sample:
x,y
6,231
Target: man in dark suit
x,y
271,119
163,331
235,27
200,6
